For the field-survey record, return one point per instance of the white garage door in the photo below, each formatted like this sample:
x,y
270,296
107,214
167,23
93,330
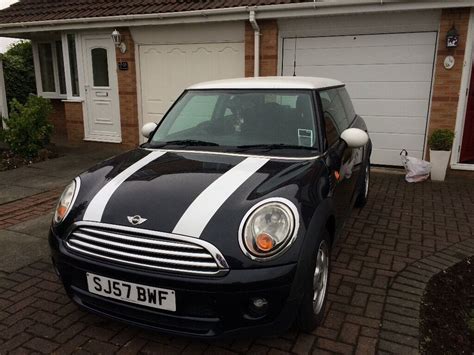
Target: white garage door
x,y
388,77
166,70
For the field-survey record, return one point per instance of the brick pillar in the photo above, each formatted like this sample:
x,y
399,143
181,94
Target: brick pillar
x,y
447,83
268,48
74,122
58,119
127,86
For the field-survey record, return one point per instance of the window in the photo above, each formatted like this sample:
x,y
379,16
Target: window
x,y
71,45
100,67
236,118
45,54
346,101
56,67
333,108
334,113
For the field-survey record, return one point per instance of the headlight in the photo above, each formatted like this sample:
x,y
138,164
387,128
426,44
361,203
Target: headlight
x,y
66,201
268,229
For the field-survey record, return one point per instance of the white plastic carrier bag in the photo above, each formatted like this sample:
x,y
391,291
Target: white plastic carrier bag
x,y
417,169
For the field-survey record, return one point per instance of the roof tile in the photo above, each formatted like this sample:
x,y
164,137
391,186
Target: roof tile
x,y
42,10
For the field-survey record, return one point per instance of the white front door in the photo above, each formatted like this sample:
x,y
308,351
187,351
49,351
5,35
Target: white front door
x,y
102,118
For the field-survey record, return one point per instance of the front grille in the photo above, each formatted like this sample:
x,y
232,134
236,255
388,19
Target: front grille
x,y
146,249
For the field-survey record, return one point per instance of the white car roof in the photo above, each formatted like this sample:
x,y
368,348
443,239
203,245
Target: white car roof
x,y
269,82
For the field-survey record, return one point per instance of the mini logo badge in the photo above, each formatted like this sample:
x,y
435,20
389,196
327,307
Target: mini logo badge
x,y
135,220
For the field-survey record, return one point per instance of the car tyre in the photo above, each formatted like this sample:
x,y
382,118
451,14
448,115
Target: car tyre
x,y
311,312
364,187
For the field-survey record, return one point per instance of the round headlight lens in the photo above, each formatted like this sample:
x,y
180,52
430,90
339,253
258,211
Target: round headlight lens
x,y
268,229
65,202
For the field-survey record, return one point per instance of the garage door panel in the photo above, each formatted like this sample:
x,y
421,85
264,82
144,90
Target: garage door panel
x,y
398,140
387,124
364,73
362,55
166,70
396,40
396,90
388,77
388,107
391,156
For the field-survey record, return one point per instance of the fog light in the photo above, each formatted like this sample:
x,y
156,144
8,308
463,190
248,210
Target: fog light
x,y
258,306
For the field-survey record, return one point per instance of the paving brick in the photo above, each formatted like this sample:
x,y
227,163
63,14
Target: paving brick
x,y
42,345
303,344
399,338
400,328
335,347
349,333
366,346
396,348
14,342
41,330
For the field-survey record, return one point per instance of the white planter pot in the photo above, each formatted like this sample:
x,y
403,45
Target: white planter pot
x,y
439,163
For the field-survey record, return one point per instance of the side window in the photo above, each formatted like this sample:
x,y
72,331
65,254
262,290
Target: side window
x,y
334,114
347,102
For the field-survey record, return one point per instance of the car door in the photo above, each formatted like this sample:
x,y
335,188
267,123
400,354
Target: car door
x,y
340,159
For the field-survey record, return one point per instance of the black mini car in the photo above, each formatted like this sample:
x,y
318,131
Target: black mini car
x,y
223,222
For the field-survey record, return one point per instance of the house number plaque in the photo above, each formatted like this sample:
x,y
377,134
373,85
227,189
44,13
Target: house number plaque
x,y
123,65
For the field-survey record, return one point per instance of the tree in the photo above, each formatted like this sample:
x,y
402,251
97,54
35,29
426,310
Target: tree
x,y
19,72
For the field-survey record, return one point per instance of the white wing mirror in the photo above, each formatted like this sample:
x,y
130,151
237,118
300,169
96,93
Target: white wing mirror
x,y
148,128
355,137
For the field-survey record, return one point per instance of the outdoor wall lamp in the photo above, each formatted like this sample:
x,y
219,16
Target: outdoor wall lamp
x,y
452,38
117,38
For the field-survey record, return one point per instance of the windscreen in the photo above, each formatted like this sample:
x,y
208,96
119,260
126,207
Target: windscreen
x,y
241,118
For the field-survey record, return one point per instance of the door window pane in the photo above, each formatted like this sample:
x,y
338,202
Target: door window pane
x,y
100,67
61,75
346,101
45,54
333,109
71,45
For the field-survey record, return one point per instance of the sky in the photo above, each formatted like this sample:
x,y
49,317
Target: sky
x,y
5,42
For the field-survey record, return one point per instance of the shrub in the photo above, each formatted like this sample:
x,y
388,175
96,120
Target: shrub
x,y
441,139
19,71
29,129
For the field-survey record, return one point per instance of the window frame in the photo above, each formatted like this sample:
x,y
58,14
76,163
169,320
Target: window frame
x,y
39,84
69,96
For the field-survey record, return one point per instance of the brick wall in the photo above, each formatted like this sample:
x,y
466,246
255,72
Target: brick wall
x,y
58,119
74,122
127,86
268,48
447,83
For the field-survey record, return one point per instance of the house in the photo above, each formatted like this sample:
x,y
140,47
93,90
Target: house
x,y
111,66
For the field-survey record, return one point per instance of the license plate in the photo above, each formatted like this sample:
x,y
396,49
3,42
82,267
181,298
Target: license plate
x,y
131,292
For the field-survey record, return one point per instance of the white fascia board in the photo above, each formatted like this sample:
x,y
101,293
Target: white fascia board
x,y
305,9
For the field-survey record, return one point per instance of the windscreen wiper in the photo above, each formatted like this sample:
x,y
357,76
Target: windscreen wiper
x,y
274,146
186,142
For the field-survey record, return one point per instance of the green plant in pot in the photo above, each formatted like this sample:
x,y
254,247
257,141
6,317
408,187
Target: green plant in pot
x,y
440,143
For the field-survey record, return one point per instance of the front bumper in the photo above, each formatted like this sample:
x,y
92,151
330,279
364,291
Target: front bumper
x,y
208,307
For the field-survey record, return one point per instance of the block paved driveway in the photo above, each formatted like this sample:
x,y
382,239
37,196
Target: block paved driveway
x,y
381,264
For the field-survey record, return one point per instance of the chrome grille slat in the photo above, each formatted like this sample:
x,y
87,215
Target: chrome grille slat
x,y
141,240
164,252
141,248
144,257
197,272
